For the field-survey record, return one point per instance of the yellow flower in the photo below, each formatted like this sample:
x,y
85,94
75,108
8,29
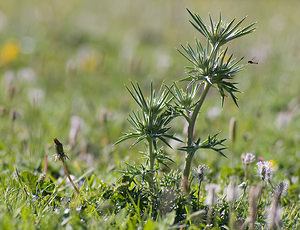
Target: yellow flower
x,y
89,63
273,164
9,52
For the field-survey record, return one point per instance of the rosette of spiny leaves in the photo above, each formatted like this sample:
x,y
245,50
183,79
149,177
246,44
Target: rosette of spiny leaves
x,y
151,122
214,68
184,100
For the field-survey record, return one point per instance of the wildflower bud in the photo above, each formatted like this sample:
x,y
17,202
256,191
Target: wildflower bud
x,y
11,91
58,146
59,149
103,116
2,110
13,115
232,129
247,158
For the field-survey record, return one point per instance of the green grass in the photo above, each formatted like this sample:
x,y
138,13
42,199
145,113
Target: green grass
x,y
82,55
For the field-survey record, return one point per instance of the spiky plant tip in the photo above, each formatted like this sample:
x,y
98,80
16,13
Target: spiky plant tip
x,y
219,33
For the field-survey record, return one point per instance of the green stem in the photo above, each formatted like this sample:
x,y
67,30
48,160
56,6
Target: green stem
x,y
68,175
198,195
195,114
189,157
152,162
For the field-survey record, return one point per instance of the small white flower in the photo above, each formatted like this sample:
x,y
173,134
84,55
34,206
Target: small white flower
x,y
247,158
265,170
200,172
211,190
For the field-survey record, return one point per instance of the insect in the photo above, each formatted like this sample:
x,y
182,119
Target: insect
x,y
252,62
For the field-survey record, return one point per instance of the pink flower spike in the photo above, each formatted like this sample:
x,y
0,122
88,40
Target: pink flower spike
x,y
261,159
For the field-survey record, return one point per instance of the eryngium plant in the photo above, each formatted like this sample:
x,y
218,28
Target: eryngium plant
x,y
211,66
150,123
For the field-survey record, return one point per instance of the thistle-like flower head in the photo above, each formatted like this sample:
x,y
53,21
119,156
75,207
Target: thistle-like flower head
x,y
265,170
247,158
200,172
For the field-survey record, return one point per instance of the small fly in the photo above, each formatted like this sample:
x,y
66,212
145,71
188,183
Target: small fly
x,y
252,62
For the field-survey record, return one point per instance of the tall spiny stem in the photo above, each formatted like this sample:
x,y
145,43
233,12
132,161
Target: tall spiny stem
x,y
189,156
152,162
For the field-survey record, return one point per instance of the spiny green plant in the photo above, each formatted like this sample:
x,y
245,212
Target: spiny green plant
x,y
211,67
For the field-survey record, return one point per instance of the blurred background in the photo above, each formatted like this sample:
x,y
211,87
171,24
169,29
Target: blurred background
x,y
64,66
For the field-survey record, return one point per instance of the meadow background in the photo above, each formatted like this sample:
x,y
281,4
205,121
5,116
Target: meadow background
x,y
60,59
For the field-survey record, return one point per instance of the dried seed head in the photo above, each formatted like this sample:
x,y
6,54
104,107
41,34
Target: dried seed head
x,y
253,198
274,215
76,125
104,115
281,188
211,190
11,91
36,97
247,158
232,192
232,129
59,150
2,110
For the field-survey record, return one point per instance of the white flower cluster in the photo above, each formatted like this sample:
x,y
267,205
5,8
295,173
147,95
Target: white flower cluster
x,y
247,158
200,172
265,170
